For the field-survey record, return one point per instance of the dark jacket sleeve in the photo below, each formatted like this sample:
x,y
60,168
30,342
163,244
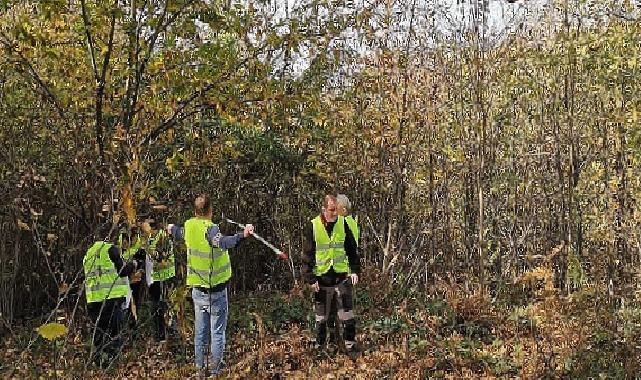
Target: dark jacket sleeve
x,y
122,268
178,232
351,249
309,254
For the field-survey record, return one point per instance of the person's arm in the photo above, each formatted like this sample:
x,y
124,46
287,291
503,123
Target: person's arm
x,y
218,240
124,269
309,254
351,249
177,232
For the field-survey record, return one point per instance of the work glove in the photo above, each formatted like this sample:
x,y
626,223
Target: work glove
x,y
315,287
136,276
354,278
169,227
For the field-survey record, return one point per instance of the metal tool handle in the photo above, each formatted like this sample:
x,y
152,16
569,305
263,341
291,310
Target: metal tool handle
x,y
278,252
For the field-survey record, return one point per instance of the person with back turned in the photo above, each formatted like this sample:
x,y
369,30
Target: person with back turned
x,y
208,273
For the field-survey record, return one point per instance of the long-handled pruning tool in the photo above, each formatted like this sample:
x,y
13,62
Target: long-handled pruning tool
x,y
281,254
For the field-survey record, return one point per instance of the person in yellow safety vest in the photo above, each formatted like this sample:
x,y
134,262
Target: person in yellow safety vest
x,y
106,288
208,273
330,266
344,207
345,210
163,269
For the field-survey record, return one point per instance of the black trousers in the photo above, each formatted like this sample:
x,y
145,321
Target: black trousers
x,y
158,293
108,320
342,295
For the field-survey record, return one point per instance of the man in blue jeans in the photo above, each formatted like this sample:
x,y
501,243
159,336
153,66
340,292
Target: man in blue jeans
x,y
208,273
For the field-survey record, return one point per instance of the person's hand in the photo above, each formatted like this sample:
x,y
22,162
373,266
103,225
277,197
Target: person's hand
x,y
169,227
315,287
249,230
137,276
354,278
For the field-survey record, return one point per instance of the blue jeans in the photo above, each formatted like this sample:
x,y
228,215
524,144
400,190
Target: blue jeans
x,y
210,324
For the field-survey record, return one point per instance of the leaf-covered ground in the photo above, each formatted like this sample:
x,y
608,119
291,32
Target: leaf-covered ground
x,y
402,335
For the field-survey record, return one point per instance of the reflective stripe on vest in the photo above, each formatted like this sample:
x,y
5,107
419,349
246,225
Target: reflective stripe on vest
x,y
205,273
330,251
353,226
166,268
206,266
101,278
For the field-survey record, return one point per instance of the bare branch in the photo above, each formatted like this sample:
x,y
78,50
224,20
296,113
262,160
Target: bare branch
x,y
86,23
100,91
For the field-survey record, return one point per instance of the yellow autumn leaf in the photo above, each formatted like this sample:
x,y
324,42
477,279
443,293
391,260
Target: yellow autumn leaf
x,y
23,226
52,331
146,227
63,288
115,218
128,206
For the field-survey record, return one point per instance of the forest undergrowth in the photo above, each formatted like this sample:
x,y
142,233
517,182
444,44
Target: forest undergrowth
x,y
445,331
